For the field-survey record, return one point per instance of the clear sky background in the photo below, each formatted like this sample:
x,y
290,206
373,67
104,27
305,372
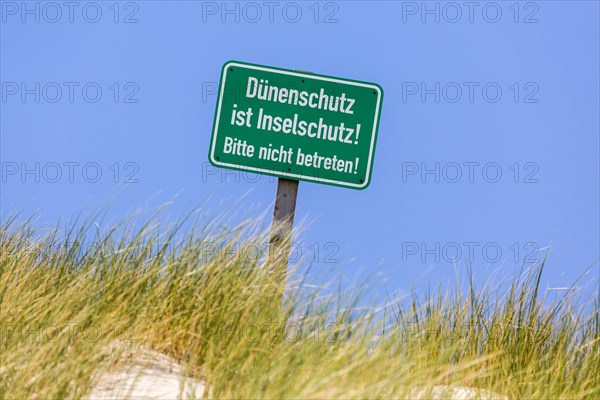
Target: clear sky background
x,y
488,147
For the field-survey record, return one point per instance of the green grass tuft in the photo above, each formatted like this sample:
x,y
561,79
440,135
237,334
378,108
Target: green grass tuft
x,y
64,306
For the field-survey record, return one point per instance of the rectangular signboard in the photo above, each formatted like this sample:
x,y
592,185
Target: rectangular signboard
x,y
296,125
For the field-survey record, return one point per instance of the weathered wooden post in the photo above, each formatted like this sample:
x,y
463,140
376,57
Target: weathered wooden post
x,y
283,222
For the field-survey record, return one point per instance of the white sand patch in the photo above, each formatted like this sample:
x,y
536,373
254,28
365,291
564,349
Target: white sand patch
x,y
151,375
148,375
453,393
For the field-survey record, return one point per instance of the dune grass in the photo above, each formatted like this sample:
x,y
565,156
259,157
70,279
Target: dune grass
x,y
63,306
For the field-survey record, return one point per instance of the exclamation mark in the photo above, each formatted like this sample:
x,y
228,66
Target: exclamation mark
x,y
357,133
356,166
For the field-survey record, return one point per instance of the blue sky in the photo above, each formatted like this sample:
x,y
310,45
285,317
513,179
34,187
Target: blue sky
x,y
488,146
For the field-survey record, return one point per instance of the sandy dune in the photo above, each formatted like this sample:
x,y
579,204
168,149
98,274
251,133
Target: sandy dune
x,y
151,375
148,375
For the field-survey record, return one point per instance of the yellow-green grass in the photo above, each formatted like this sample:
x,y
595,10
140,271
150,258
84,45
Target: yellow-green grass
x,y
222,315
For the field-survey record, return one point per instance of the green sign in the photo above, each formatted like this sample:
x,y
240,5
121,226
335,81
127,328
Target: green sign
x,y
296,125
